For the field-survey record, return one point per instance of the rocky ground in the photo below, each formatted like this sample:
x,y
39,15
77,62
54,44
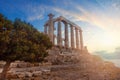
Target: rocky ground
x,y
63,66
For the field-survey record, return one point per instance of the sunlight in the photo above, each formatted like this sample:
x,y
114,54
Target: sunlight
x,y
105,41
108,40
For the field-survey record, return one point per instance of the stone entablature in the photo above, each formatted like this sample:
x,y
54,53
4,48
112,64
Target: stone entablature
x,y
72,32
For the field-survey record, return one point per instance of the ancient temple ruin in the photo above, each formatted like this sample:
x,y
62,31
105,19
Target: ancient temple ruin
x,y
63,33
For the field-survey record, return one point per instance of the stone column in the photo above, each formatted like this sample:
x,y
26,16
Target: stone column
x,y
51,28
66,36
81,40
45,29
77,39
59,35
72,37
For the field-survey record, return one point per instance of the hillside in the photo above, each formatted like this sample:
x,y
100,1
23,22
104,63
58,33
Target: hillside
x,y
87,67
68,65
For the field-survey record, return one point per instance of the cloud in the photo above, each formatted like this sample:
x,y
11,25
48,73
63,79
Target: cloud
x,y
70,14
110,56
97,18
116,62
113,56
93,19
35,17
35,12
105,19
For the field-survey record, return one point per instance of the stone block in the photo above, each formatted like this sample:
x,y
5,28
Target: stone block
x,y
37,73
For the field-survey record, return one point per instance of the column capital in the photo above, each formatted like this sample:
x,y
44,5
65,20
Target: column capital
x,y
59,20
50,16
80,30
76,28
72,27
65,23
46,24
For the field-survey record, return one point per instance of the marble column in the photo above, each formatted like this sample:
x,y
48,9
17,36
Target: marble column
x,y
66,36
45,29
77,39
81,39
72,36
51,28
59,35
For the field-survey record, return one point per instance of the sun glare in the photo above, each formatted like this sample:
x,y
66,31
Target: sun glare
x,y
105,41
108,40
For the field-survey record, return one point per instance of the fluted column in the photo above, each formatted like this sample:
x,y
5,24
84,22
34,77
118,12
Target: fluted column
x,y
45,29
59,35
77,40
51,28
72,37
66,36
81,39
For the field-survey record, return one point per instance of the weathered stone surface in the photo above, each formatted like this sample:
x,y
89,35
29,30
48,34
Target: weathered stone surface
x,y
49,28
46,72
21,75
87,67
72,37
66,36
77,38
2,63
37,73
28,74
12,76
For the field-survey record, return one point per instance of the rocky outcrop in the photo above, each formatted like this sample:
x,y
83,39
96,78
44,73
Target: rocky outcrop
x,y
30,73
66,65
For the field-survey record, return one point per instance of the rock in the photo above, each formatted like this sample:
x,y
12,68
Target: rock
x,y
1,70
12,76
37,73
21,75
46,72
38,78
58,78
36,64
28,74
47,64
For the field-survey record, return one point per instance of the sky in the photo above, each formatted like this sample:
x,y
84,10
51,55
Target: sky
x,y
99,20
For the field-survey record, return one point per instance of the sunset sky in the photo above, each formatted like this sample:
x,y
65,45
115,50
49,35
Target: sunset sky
x,y
99,20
